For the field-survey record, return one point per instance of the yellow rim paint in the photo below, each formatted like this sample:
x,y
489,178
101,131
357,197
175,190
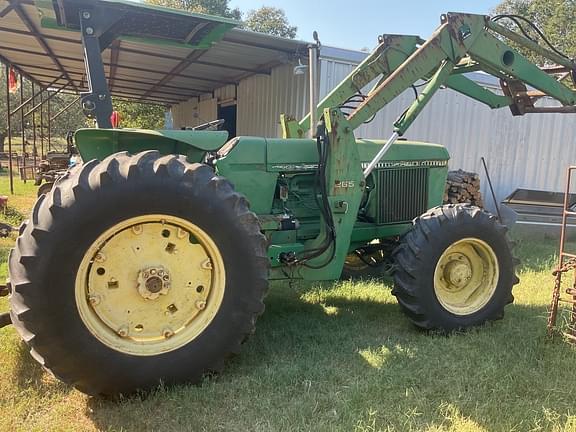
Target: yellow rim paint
x,y
466,276
150,284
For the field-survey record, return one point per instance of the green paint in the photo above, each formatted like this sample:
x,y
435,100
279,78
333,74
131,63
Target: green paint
x,y
99,143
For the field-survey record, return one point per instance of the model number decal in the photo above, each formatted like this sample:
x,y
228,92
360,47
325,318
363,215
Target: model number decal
x,y
344,184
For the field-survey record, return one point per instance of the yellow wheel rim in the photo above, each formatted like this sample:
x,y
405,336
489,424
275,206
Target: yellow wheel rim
x,y
150,284
466,276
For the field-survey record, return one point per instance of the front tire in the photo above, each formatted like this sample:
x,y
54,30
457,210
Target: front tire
x,y
454,269
137,270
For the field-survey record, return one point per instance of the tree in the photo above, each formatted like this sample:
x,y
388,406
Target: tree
x,y
210,7
554,17
270,20
139,115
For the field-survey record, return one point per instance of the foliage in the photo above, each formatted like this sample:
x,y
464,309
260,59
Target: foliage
x,y
554,17
139,115
72,119
210,7
270,20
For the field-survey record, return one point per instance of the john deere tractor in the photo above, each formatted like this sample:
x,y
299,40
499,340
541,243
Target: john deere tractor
x,y
150,261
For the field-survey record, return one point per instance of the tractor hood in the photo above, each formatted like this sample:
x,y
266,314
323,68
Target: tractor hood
x,y
100,143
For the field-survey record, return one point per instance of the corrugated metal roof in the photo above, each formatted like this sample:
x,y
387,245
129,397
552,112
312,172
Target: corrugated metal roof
x,y
138,69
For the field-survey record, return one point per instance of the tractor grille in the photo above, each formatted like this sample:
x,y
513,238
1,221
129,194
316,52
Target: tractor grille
x,y
403,194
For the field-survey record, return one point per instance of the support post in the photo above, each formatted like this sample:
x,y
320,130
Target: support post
x,y
9,131
97,103
313,69
22,126
34,146
49,124
42,124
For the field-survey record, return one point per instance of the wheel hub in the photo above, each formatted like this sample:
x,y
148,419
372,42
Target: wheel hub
x,y
457,272
153,282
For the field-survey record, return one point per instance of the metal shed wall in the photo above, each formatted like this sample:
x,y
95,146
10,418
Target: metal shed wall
x,y
262,98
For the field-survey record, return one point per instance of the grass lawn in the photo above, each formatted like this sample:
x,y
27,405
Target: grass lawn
x,y
335,356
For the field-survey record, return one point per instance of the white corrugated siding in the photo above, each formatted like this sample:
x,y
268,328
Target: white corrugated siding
x,y
262,98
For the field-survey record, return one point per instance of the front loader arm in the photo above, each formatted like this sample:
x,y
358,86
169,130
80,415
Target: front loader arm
x,y
392,51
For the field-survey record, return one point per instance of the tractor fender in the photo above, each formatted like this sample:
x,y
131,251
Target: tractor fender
x,y
100,143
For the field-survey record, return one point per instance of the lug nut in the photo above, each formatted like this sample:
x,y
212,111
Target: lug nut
x,y
201,304
100,257
167,333
206,265
123,332
94,300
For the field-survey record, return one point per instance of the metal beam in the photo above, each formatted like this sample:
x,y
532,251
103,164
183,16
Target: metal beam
x,y
32,27
134,68
156,98
6,10
114,54
6,60
196,92
50,96
66,108
9,131
191,58
27,101
45,69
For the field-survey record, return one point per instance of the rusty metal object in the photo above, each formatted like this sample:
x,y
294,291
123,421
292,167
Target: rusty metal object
x,y
566,264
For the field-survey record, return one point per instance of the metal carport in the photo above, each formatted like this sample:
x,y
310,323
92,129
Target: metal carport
x,y
196,54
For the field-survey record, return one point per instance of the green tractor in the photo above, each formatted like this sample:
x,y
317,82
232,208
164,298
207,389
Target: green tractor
x,y
150,261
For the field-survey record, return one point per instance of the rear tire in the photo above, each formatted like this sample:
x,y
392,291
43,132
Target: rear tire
x,y
44,188
63,325
454,269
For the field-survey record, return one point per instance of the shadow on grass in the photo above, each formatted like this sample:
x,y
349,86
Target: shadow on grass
x,y
367,363
29,375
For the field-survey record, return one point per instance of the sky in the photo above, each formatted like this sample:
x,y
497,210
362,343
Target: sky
x,y
357,24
